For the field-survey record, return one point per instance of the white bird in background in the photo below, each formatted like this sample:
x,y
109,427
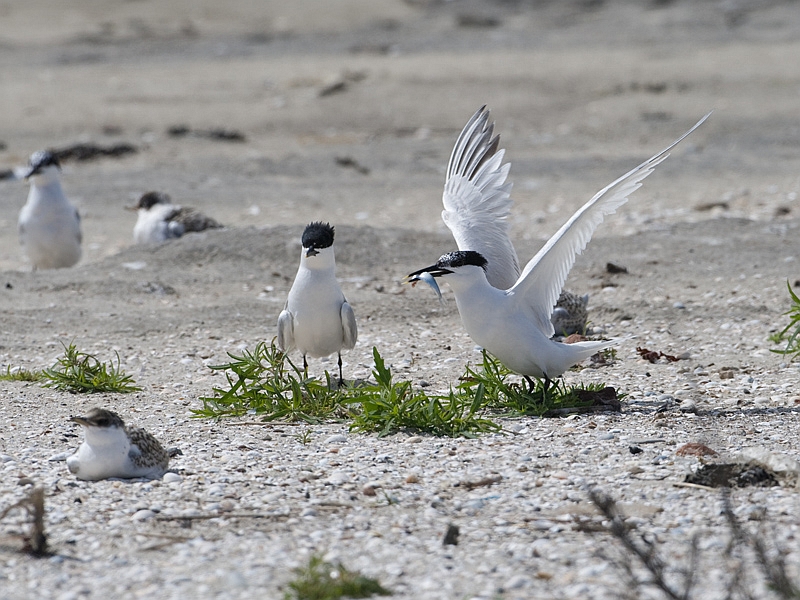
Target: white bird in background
x,y
514,324
158,220
317,320
49,226
110,449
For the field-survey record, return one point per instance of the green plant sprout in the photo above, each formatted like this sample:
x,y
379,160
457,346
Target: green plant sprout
x,y
793,341
81,373
265,382
321,580
506,396
388,406
21,375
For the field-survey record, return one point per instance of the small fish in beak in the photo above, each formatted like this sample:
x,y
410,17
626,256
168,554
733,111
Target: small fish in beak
x,y
427,278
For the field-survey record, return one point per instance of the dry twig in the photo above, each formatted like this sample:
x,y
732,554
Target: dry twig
x,y
36,542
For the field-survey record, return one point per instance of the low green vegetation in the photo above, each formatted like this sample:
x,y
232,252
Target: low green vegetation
x,y
21,375
388,406
321,580
506,394
81,373
791,333
266,383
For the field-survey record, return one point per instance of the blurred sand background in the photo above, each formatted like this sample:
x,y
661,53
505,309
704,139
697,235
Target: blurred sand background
x,y
348,110
581,91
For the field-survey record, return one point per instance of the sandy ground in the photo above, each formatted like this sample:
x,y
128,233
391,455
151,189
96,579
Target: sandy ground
x,y
580,91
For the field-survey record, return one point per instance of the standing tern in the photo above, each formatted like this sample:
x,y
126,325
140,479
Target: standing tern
x,y
513,322
158,220
49,226
317,320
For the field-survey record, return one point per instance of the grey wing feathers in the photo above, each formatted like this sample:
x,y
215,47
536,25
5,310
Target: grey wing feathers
x,y
146,451
544,275
477,199
285,331
192,220
349,327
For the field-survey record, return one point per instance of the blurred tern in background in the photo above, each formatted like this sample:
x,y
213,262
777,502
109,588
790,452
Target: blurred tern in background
x,y
49,226
158,220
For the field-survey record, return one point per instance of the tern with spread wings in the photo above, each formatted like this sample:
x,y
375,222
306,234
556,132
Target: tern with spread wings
x,y
506,311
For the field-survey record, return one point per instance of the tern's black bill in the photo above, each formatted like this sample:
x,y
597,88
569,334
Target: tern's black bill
x,y
433,270
311,252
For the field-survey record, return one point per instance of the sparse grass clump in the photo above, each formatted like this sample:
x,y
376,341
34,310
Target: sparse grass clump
x,y
81,373
387,406
790,333
266,383
503,394
321,580
21,375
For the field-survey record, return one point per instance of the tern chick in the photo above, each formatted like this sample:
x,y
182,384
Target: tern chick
x,y
158,220
515,324
317,319
49,225
570,315
110,449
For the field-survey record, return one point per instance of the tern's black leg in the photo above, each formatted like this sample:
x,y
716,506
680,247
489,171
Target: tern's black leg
x,y
531,385
341,379
547,383
305,367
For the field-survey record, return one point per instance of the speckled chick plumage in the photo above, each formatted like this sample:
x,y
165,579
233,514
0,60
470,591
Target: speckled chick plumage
x,y
158,220
111,449
570,314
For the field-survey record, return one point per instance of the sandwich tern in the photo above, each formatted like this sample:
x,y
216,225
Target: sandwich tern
x,y
317,319
514,323
158,220
111,449
49,226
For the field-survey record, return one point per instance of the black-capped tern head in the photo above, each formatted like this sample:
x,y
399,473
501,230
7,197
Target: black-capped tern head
x,y
99,418
39,162
151,199
317,236
460,264
102,427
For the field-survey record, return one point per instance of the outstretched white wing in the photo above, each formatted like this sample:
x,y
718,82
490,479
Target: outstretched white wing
x,y
477,199
544,276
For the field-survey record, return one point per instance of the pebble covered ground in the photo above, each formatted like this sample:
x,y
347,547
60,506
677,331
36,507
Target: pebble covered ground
x,y
347,112
247,502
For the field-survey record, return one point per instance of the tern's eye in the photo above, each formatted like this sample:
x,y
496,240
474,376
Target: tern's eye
x,y
103,422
